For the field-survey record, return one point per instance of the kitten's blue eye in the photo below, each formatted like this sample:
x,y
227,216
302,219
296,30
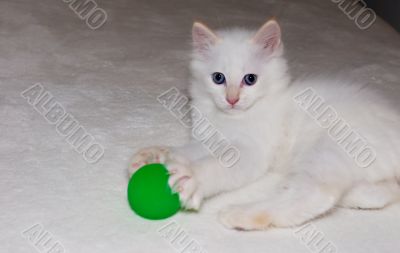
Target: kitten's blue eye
x,y
250,79
218,78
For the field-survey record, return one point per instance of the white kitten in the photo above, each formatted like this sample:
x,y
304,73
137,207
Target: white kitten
x,y
241,84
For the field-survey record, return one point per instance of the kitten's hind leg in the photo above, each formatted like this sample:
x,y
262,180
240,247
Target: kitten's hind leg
x,y
371,196
297,200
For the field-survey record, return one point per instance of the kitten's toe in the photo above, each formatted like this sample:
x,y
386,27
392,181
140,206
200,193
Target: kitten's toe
x,y
178,175
134,166
182,181
190,196
241,219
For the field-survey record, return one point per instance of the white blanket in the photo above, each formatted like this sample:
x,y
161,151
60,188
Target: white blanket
x,y
108,80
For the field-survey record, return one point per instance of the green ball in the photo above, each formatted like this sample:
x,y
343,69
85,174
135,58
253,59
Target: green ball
x,y
149,194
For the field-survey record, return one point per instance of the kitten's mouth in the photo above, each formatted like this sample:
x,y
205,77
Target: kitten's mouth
x,y
236,109
231,109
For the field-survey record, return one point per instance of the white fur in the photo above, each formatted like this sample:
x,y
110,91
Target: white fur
x,y
274,135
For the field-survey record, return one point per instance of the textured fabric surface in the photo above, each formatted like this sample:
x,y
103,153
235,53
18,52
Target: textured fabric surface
x,y
108,80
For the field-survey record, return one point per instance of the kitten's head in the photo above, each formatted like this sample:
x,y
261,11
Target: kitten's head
x,y
236,68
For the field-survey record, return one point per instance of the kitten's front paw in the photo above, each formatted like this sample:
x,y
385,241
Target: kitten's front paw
x,y
146,156
182,180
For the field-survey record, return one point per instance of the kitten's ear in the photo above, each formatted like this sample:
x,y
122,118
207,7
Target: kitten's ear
x,y
269,37
203,38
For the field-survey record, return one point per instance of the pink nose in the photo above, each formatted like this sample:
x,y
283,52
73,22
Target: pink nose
x,y
232,101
